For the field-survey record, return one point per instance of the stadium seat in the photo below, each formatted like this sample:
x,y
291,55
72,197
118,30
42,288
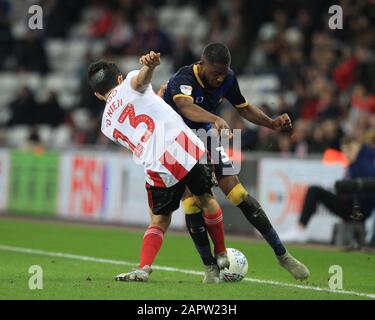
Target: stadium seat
x,y
30,79
264,83
56,53
67,56
4,111
8,81
261,89
44,132
60,82
17,136
181,21
61,137
81,118
67,100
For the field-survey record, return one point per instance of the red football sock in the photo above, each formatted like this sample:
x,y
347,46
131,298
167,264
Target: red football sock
x,y
215,226
151,244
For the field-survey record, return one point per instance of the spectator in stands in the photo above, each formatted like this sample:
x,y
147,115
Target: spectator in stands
x,y
50,111
283,144
323,74
217,21
6,38
120,35
30,53
56,20
23,108
237,44
182,55
102,19
148,36
332,133
131,9
305,24
33,142
299,138
369,132
316,143
362,165
365,70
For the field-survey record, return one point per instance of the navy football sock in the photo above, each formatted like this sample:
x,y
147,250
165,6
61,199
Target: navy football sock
x,y
257,217
198,232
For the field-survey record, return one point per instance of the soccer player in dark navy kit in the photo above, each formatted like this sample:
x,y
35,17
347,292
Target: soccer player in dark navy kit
x,y
195,92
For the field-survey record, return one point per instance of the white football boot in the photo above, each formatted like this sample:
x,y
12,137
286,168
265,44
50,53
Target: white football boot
x,y
211,274
140,275
296,268
222,260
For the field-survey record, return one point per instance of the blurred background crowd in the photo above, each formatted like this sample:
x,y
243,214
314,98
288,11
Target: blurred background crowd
x,y
285,55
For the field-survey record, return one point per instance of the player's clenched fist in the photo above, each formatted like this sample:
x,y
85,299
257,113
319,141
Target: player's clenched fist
x,y
150,60
282,123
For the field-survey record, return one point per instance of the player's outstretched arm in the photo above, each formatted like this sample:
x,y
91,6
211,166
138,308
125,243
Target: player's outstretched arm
x,y
195,113
253,114
257,116
150,61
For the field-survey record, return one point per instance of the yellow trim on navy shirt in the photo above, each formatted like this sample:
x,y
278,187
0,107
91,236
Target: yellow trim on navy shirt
x,y
195,69
242,105
180,95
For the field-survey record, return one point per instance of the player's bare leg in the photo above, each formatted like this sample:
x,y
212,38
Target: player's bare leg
x,y
151,244
254,213
213,219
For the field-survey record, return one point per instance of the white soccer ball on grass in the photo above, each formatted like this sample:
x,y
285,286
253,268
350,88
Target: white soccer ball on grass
x,y
238,266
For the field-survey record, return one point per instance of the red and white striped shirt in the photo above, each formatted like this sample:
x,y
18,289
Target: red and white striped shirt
x,y
153,131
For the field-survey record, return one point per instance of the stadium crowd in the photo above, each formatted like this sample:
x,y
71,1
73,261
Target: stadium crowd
x,y
325,78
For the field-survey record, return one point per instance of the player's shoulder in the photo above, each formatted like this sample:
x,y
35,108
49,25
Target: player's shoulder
x,y
230,79
231,73
231,76
185,73
129,76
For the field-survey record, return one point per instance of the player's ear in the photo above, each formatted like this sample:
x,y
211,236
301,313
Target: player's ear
x,y
120,79
99,96
201,65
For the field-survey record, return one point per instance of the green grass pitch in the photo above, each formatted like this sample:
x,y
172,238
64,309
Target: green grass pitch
x,y
74,278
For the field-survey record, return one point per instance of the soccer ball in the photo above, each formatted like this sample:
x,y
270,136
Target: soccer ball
x,y
237,268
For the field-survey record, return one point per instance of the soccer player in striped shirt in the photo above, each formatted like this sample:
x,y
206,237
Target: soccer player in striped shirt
x,y
138,119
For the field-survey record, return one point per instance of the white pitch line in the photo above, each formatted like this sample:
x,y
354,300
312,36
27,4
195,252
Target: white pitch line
x,y
171,269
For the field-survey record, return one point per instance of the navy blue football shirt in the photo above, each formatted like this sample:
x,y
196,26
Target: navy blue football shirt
x,y
187,83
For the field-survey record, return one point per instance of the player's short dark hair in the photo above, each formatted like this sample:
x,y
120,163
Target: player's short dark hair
x,y
217,53
102,76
